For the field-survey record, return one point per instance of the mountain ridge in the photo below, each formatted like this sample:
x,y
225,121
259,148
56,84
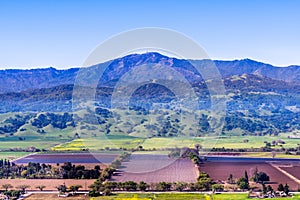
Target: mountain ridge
x,y
17,80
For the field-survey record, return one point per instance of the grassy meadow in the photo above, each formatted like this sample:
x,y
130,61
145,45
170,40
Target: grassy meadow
x,y
179,196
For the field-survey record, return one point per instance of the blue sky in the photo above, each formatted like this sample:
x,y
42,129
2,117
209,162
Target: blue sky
x,y
63,33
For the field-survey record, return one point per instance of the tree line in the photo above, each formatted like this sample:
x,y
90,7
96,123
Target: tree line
x,y
37,171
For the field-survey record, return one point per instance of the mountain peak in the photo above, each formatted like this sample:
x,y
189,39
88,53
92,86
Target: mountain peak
x,y
20,80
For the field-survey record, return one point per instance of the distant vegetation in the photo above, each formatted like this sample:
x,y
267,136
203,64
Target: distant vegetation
x,y
41,171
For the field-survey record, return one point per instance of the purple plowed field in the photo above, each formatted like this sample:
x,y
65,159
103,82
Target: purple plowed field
x,y
67,157
294,171
170,170
222,170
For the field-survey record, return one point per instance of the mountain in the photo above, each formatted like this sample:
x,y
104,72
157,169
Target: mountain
x,y
15,80
260,98
21,80
247,66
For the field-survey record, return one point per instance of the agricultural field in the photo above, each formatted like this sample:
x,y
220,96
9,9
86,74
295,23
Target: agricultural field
x,y
15,142
100,143
55,197
85,158
128,142
13,147
12,155
269,155
293,170
179,196
222,170
156,168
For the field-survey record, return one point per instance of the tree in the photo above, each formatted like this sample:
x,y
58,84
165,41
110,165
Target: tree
x,y
23,188
246,177
111,185
7,186
116,164
106,192
180,186
280,187
264,188
202,175
24,173
62,188
286,189
255,175
163,186
269,188
204,182
41,187
217,187
243,183
262,177
142,186
75,188
15,193
204,123
230,179
130,185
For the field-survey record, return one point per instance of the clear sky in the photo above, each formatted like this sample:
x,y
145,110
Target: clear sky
x,y
62,33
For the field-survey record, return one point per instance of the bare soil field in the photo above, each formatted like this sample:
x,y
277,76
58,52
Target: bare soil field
x,y
293,170
178,170
222,170
55,197
68,157
49,183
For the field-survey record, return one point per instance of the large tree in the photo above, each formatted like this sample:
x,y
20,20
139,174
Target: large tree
x,y
204,182
243,183
142,186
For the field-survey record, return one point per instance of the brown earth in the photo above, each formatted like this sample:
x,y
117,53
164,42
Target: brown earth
x,y
54,197
68,157
293,170
179,170
222,170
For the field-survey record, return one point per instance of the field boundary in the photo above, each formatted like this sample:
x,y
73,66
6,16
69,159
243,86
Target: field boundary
x,y
14,160
285,173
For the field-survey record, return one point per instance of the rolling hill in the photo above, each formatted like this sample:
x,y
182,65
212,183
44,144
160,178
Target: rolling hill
x,y
261,98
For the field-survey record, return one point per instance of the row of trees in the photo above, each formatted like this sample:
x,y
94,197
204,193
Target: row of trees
x,y
204,183
37,170
14,194
73,188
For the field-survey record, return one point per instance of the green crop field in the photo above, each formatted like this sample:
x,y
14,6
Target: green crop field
x,y
12,155
13,147
123,141
179,196
37,142
109,142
